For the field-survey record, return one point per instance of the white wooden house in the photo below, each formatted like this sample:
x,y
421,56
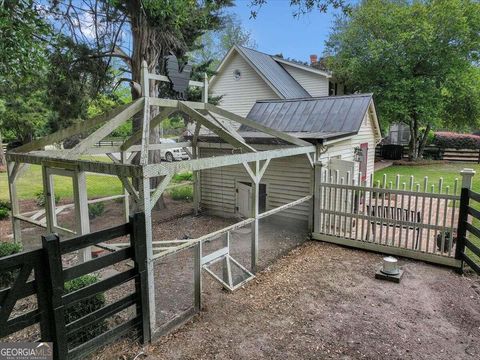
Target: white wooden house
x,y
245,76
344,129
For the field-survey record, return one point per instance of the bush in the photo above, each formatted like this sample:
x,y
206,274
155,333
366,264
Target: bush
x,y
40,198
95,209
83,308
182,193
185,176
4,204
4,213
456,141
6,249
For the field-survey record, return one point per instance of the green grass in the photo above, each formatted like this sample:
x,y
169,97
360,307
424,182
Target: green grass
x,y
185,176
448,172
434,172
182,193
30,183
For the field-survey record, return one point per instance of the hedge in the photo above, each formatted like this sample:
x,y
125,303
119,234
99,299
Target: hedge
x,y
451,140
6,249
83,308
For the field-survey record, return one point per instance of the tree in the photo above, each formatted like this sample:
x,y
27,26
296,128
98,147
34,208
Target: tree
x,y
214,45
302,7
414,57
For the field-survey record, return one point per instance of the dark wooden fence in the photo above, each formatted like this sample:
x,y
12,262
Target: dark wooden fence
x,y
468,249
436,153
48,284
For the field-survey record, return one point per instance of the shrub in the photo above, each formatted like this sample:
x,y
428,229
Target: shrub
x,y
83,308
182,193
456,140
95,209
6,249
185,176
4,213
40,198
4,204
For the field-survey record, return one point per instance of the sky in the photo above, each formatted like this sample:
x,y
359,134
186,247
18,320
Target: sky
x,y
275,30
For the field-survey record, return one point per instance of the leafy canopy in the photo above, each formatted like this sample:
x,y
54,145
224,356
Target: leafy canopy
x,y
418,58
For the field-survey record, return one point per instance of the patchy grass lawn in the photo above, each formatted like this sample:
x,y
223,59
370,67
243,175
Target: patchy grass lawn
x,y
448,171
434,172
97,185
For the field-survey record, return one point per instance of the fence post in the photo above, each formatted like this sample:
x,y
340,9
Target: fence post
x,y
317,196
138,242
467,176
55,288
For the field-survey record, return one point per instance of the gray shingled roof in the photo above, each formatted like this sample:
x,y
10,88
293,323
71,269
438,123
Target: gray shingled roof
x,y
321,118
275,74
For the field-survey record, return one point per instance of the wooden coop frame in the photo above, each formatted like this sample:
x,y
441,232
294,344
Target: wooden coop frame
x,y
143,198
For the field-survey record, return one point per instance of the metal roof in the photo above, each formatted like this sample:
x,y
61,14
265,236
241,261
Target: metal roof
x,y
274,73
321,118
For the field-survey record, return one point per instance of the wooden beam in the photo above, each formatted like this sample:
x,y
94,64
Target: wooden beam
x,y
170,103
137,135
104,130
69,131
83,165
219,161
229,138
159,190
227,127
254,125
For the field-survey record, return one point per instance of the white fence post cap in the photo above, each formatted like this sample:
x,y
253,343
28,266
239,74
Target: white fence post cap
x,y
467,175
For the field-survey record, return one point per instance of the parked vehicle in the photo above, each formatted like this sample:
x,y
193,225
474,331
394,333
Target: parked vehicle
x,y
173,153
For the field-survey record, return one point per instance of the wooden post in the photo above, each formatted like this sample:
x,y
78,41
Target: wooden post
x,y
467,177
145,84
254,214
12,189
317,196
48,192
196,174
55,288
126,199
139,244
144,205
197,281
81,212
205,88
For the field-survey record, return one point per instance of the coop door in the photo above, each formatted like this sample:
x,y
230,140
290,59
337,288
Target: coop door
x,y
244,196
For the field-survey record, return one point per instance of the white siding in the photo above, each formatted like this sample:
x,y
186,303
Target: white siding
x,y
287,179
240,95
344,149
315,84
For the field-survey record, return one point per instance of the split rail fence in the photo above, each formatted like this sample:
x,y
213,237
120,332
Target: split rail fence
x,y
73,334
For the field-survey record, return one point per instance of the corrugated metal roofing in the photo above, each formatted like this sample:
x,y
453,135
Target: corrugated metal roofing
x,y
275,74
326,117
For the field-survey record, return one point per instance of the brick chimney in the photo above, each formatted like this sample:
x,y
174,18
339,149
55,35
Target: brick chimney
x,y
313,59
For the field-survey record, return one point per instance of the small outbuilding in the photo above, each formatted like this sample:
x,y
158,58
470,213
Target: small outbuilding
x,y
344,130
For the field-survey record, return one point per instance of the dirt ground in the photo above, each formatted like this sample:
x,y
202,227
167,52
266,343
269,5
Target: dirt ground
x,y
322,301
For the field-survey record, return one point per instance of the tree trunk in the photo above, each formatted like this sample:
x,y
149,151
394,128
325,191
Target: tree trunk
x,y
423,141
145,48
413,143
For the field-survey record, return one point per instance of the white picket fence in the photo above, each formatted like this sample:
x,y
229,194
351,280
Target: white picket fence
x,y
412,219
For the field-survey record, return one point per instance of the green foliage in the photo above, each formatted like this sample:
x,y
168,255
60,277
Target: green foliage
x,y
449,140
40,198
95,209
6,249
185,176
4,213
5,204
83,308
416,57
182,193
